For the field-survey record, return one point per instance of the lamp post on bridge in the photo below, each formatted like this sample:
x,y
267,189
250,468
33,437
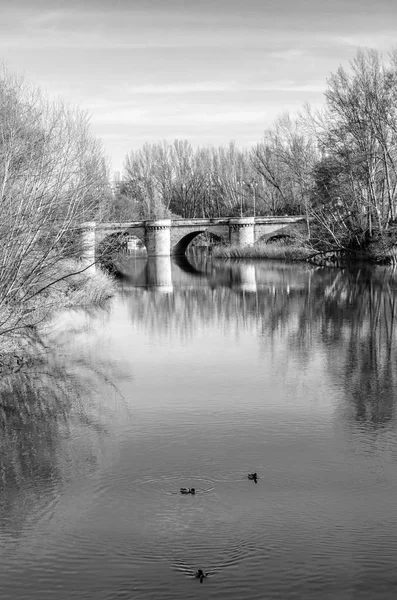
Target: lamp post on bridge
x,y
184,196
241,183
253,185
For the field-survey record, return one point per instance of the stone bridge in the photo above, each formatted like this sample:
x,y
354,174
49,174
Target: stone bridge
x,y
166,237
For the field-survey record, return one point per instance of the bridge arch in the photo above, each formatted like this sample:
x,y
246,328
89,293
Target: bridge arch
x,y
114,240
179,246
111,240
280,232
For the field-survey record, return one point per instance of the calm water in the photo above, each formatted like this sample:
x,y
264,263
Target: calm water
x,y
195,375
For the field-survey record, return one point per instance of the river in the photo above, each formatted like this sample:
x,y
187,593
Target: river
x,y
198,372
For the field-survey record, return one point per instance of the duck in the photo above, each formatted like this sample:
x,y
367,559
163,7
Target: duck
x,y
200,575
253,477
188,491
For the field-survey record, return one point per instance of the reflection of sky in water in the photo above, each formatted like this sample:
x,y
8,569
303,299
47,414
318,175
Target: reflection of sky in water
x,y
197,386
213,361
276,349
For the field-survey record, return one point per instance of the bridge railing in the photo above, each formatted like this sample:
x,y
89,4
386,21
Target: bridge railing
x,y
201,222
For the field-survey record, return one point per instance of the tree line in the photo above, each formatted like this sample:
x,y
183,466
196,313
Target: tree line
x,y
337,166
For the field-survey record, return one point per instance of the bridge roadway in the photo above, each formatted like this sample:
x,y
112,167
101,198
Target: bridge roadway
x,y
171,237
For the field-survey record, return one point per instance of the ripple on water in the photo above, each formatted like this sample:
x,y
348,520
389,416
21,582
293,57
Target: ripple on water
x,y
234,529
197,531
171,485
147,520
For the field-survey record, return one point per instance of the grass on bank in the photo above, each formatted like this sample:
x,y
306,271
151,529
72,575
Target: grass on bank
x,y
84,289
274,251
72,289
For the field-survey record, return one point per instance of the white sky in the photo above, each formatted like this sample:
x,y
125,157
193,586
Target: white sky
x,y
209,71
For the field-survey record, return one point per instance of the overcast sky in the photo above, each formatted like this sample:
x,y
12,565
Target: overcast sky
x,y
209,71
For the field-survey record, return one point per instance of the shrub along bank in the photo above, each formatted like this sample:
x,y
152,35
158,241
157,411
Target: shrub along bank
x,y
53,177
274,251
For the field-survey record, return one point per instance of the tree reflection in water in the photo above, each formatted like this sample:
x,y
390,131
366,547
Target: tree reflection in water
x,y
348,316
364,328
39,408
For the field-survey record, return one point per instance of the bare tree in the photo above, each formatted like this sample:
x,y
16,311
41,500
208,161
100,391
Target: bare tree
x,y
362,136
51,177
180,180
285,160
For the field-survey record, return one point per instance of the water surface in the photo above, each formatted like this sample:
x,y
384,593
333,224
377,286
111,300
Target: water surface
x,y
198,373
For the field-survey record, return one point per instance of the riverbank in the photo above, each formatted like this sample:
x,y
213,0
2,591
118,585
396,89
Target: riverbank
x,y
376,254
82,289
21,323
264,251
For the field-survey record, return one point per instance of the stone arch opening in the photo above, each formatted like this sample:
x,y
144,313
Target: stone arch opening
x,y
180,247
114,244
135,244
281,238
118,241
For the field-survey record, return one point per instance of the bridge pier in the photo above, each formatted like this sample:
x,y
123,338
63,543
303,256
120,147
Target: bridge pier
x,y
158,237
242,231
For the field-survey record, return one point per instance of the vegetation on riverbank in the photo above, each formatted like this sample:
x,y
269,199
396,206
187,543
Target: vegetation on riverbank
x,y
80,289
378,253
295,246
264,251
53,177
70,287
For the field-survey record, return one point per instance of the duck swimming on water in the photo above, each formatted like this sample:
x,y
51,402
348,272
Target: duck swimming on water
x,y
188,491
200,575
253,477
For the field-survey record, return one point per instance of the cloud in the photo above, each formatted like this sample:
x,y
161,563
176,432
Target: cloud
x,y
379,40
315,87
215,115
131,116
126,28
180,88
288,53
238,116
226,86
221,24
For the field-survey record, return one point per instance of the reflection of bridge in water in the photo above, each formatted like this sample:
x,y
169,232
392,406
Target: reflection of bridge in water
x,y
163,272
339,318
